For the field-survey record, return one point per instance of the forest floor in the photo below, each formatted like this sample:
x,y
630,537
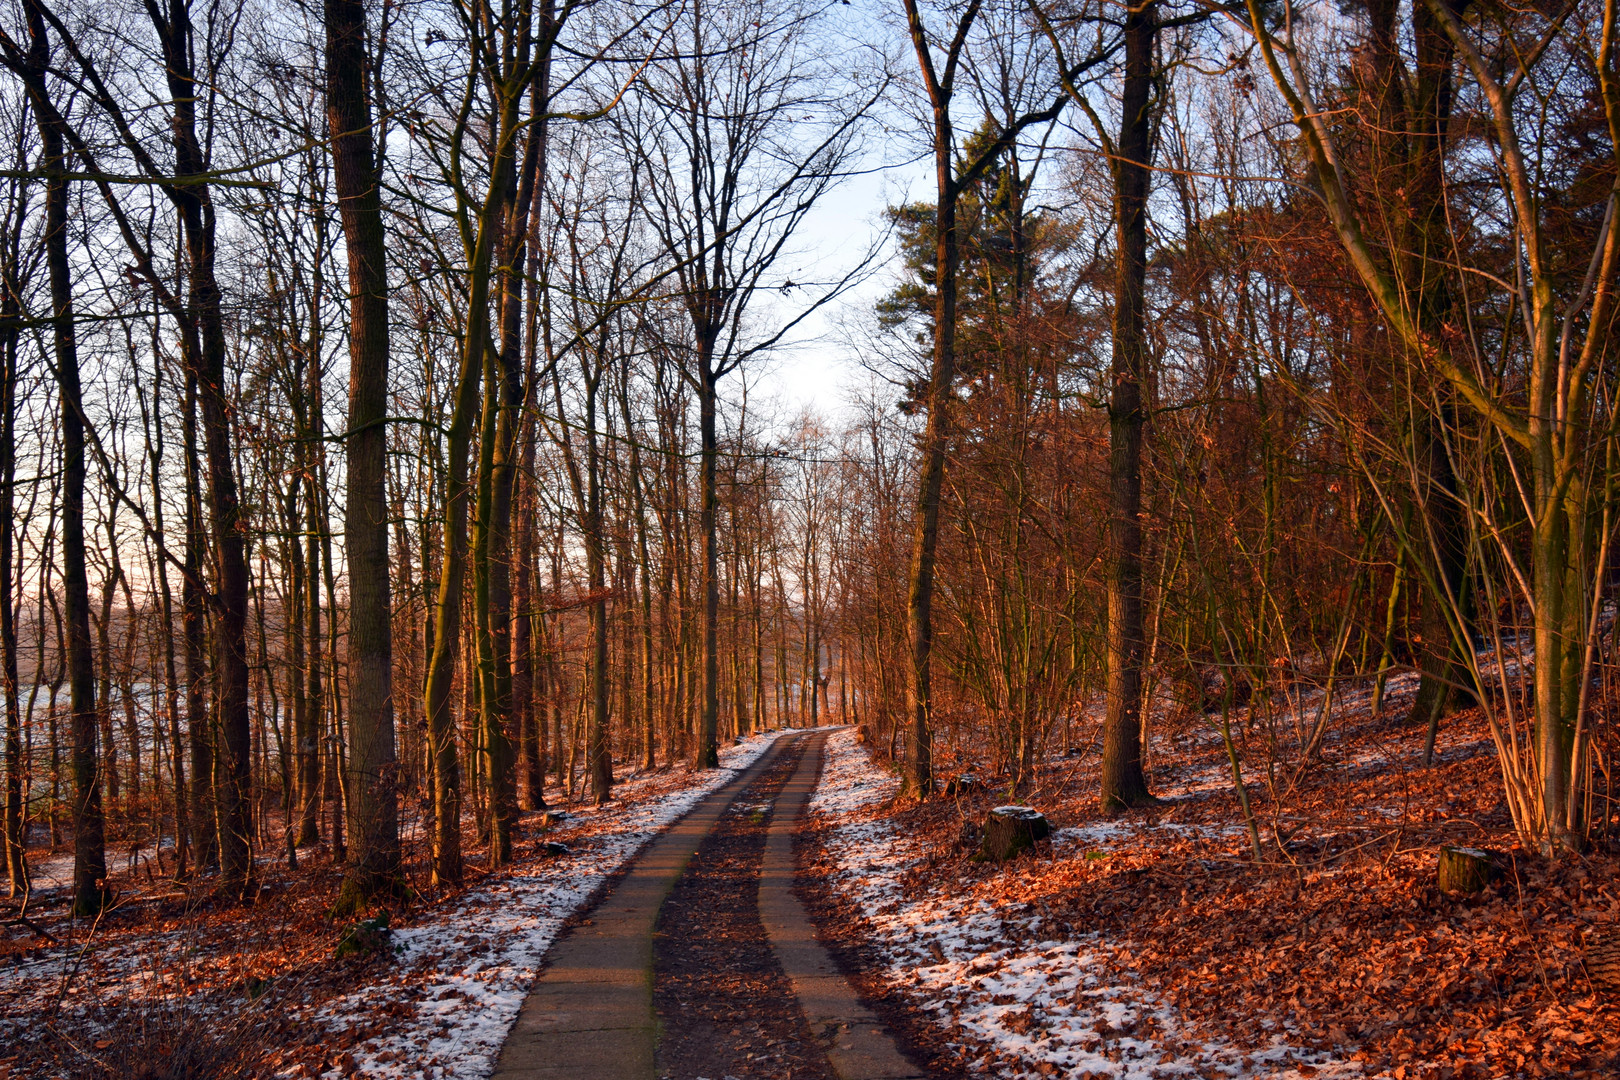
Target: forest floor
x,y
257,991
1151,944
1144,945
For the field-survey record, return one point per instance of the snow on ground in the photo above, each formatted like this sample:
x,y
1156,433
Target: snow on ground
x,y
1077,840
56,871
1068,1007
462,973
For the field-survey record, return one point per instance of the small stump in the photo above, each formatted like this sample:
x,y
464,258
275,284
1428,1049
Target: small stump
x,y
1602,957
1464,871
964,784
365,937
1009,830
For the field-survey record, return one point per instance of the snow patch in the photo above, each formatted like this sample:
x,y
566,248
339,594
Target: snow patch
x,y
994,975
462,973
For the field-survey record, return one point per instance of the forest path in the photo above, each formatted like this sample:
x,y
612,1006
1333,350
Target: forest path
x,y
674,973
590,1012
856,1045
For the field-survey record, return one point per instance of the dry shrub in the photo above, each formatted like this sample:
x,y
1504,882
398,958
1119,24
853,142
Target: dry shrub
x,y
167,1036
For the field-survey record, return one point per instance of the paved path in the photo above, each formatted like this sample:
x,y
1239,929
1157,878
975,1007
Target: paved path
x,y
590,1014
857,1046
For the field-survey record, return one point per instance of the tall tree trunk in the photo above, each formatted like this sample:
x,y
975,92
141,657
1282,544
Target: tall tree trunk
x,y
459,492
708,748
89,843
373,815
171,679
194,631
310,755
303,727
931,469
11,826
1447,613
523,617
1123,783
506,418
204,348
103,688
525,712
599,758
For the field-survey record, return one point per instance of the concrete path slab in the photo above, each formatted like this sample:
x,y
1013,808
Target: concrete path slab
x,y
590,1013
858,1047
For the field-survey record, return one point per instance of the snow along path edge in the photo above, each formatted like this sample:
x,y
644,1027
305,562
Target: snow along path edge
x,y
468,966
1048,1007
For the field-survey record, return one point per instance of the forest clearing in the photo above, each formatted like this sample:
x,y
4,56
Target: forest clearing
x,y
859,539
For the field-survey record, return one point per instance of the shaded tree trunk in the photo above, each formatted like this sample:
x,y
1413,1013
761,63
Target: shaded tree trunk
x,y
373,815
89,842
194,632
11,825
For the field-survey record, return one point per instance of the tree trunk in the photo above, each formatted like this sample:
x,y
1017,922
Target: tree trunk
x,y
599,756
310,756
303,729
11,825
373,814
203,348
89,843
931,469
1446,609
194,631
524,711
1123,783
708,749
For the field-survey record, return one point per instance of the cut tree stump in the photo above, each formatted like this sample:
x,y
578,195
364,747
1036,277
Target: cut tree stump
x,y
1602,956
1464,871
1009,830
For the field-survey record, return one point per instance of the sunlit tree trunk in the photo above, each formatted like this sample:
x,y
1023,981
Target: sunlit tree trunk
x,y
1123,783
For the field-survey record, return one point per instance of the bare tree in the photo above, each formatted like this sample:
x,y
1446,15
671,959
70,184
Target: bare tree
x,y
738,134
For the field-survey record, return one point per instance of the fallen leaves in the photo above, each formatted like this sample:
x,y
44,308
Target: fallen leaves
x,y
1341,948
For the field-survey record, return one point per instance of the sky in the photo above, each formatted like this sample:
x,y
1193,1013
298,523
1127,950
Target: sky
x,y
819,372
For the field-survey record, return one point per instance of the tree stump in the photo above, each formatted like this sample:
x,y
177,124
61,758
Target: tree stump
x,y
1009,830
965,784
553,818
1602,957
1464,871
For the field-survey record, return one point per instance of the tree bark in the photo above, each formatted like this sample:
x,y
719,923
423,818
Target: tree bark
x,y
194,632
11,826
1123,783
89,842
373,814
708,748
1426,230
